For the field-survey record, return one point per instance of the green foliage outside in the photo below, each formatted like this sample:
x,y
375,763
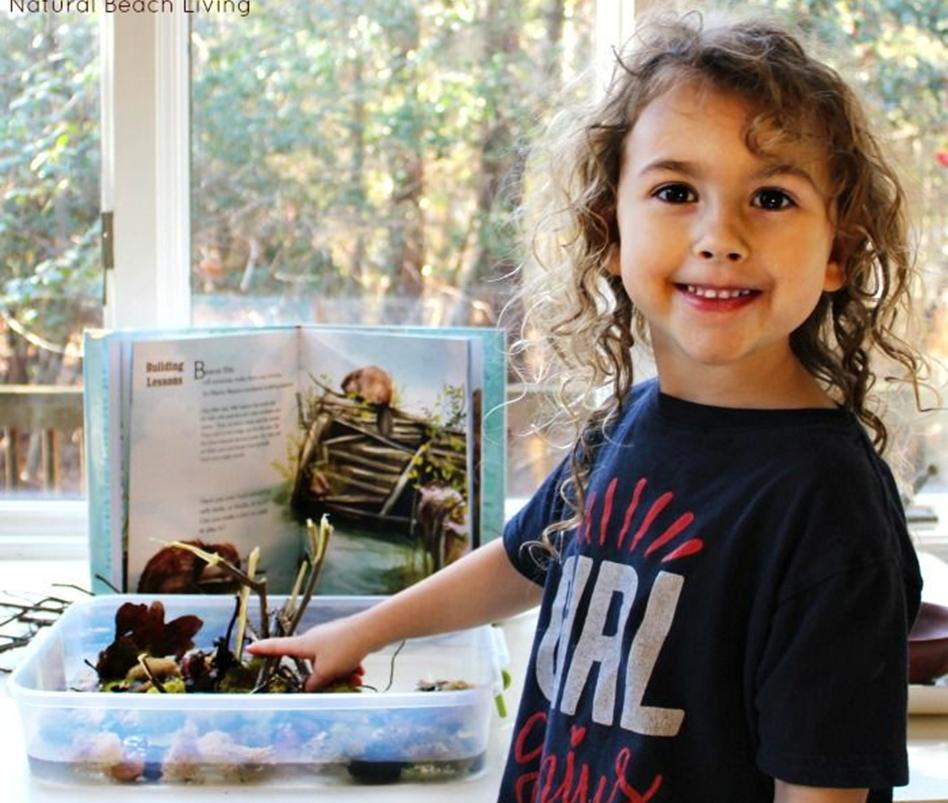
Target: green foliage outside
x,y
50,281
369,150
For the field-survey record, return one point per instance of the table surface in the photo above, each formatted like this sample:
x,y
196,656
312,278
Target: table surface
x,y
928,741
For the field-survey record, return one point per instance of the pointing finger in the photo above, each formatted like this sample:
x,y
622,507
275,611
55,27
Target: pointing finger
x,y
278,646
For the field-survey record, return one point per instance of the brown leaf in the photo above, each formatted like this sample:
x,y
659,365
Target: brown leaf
x,y
142,628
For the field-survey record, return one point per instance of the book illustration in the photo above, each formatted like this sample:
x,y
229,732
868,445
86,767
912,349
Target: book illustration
x,y
355,387
370,464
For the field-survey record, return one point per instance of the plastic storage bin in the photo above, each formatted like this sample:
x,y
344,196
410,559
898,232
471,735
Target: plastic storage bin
x,y
332,737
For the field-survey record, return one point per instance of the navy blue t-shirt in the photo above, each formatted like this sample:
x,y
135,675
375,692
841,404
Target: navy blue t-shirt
x,y
733,608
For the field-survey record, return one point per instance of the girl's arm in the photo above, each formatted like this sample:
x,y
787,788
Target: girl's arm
x,y
791,793
480,588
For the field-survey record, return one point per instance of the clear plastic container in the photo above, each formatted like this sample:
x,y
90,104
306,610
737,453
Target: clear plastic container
x,y
369,736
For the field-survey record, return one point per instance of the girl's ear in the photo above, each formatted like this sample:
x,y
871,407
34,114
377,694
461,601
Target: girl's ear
x,y
835,276
613,263
608,216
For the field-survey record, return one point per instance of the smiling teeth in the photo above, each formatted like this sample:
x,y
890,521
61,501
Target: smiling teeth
x,y
710,292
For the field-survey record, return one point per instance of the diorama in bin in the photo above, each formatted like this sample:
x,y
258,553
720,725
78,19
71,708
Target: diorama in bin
x,y
147,688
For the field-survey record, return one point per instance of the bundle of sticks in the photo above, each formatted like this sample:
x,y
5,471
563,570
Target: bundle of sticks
x,y
282,622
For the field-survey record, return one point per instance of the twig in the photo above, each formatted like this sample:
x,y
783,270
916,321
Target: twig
x,y
391,667
290,605
233,620
60,603
35,620
102,579
80,588
244,596
264,613
319,543
154,681
15,643
24,610
288,617
35,608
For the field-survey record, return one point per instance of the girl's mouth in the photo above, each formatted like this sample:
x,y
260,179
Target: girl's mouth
x,y
705,297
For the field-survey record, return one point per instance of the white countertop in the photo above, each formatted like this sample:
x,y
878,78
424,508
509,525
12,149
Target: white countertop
x,y
928,742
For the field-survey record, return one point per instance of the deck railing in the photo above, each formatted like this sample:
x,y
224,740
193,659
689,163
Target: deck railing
x,y
46,418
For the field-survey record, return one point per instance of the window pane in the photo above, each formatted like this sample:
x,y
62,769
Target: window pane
x,y
358,161
50,282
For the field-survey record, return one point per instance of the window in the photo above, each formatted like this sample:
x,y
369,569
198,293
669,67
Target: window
x,y
49,244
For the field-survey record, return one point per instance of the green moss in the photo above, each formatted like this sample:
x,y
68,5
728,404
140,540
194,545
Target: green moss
x,y
240,678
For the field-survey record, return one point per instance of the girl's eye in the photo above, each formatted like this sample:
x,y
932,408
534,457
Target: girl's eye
x,y
676,194
772,200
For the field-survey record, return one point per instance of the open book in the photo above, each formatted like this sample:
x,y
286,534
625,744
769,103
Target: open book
x,y
235,437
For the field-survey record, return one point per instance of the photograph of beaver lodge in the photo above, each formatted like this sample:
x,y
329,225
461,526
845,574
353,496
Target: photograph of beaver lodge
x,y
383,470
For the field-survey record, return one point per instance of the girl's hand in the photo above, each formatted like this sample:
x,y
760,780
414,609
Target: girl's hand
x,y
479,588
334,648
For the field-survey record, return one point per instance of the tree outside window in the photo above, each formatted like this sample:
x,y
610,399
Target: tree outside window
x,y
50,274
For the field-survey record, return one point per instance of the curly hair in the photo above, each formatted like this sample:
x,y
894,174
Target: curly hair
x,y
581,316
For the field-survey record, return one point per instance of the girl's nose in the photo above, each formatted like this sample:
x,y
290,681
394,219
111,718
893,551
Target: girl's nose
x,y
720,240
723,254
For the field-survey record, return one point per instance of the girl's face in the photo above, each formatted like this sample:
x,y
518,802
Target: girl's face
x,y
725,252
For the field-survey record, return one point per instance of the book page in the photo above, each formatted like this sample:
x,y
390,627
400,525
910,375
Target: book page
x,y
212,421
386,427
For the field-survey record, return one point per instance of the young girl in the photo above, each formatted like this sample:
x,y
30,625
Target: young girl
x,y
724,573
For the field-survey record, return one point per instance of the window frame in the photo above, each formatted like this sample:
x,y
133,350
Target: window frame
x,y
146,106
